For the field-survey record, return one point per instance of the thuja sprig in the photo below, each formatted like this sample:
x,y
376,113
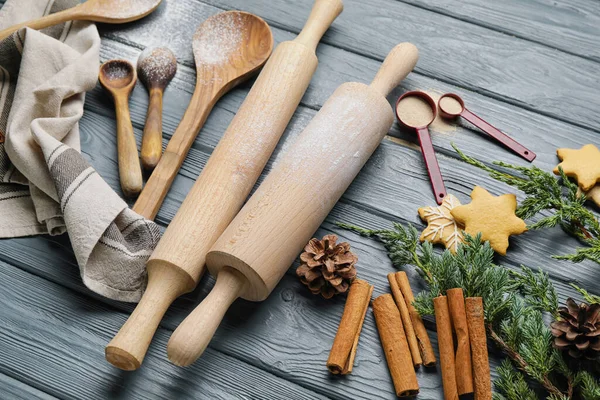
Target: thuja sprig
x,y
559,196
588,297
514,323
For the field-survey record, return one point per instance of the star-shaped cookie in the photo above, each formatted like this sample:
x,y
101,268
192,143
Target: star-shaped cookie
x,y
492,216
441,226
593,195
582,164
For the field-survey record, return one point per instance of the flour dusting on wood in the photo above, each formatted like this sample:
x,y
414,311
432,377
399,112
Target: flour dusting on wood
x,y
218,39
122,9
156,66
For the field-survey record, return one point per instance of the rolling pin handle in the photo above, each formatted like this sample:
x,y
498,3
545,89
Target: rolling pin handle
x,y
323,13
396,66
165,283
193,335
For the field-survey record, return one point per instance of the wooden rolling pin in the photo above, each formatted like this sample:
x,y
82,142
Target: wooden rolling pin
x,y
224,184
263,240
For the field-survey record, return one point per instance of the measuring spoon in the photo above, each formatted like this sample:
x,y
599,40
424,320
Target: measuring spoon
x,y
417,110
107,11
118,77
452,106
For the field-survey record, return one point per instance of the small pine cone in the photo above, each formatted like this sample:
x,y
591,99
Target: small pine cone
x,y
577,332
327,267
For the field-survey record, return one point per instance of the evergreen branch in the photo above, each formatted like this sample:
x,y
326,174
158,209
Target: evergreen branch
x,y
538,291
588,297
559,196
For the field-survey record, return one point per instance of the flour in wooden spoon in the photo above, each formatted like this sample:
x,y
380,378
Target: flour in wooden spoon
x,y
218,39
122,9
156,66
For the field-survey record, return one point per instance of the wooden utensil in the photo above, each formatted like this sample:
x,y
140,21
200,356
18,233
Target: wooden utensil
x,y
118,77
263,240
225,182
228,49
108,11
156,67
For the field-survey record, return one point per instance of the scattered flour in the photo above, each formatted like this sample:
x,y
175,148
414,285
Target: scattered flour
x,y
218,38
156,66
122,9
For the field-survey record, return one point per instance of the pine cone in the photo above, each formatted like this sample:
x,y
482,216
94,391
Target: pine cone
x,y
578,330
327,267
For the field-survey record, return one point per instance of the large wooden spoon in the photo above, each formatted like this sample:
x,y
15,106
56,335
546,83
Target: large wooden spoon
x,y
108,11
228,48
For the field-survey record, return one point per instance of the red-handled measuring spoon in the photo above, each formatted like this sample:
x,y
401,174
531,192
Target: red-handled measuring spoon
x,y
452,106
417,110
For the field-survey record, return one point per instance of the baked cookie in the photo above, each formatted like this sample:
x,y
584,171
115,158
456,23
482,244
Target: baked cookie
x,y
592,195
441,226
582,164
492,216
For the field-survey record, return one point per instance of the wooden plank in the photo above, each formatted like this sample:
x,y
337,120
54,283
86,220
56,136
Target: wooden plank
x,y
51,335
517,71
16,390
289,338
571,26
540,133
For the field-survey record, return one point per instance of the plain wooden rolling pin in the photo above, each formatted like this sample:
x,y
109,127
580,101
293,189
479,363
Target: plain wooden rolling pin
x,y
224,184
263,240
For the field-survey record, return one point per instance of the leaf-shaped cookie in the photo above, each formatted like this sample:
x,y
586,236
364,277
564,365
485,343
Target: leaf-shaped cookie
x,y
441,226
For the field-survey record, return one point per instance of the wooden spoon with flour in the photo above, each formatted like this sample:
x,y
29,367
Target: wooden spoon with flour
x,y
108,11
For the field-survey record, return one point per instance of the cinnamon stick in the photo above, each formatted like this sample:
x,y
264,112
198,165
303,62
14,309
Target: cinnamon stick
x,y
446,347
479,350
427,353
343,351
395,346
462,360
411,338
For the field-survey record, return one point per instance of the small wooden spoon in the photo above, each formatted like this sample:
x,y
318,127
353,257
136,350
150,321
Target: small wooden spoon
x,y
228,48
155,67
118,77
108,11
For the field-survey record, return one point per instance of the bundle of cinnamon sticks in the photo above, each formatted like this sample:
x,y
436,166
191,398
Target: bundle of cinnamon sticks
x,y
466,370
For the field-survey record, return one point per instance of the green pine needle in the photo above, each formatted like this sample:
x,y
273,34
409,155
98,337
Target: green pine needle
x,y
547,193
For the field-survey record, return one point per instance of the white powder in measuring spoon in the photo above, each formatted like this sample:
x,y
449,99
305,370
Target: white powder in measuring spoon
x,y
414,111
218,38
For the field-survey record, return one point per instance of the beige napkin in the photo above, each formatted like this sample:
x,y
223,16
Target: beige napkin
x,y
46,186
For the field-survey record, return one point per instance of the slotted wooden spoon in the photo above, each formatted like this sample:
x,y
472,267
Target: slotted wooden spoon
x,y
108,11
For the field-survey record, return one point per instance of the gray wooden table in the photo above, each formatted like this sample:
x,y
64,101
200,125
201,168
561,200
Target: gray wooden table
x,y
531,67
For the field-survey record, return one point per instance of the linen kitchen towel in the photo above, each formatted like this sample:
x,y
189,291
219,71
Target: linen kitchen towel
x,y
46,186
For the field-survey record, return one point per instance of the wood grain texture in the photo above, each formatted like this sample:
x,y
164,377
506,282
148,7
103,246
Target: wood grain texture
x,y
290,334
17,390
568,25
524,73
77,326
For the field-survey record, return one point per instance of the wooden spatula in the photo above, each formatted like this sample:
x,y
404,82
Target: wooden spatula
x,y
108,11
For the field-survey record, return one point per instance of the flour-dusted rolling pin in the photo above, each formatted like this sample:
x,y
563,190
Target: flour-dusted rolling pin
x,y
263,240
224,184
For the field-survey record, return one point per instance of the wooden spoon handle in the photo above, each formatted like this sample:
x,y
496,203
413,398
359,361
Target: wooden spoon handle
x,y
43,22
130,171
396,66
323,13
161,179
193,335
152,138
